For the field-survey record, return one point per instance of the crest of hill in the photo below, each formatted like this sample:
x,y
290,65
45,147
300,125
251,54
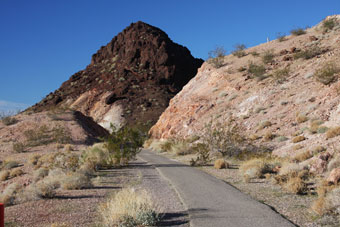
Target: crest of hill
x,y
129,80
284,88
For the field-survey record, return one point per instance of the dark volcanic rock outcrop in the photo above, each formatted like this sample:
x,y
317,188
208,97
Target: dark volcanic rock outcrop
x,y
131,79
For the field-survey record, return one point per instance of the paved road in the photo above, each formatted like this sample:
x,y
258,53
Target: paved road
x,y
210,201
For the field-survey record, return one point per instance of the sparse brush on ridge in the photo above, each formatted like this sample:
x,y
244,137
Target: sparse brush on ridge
x,y
239,50
257,71
281,75
298,31
281,37
9,120
216,56
268,57
327,74
129,207
329,24
309,53
333,132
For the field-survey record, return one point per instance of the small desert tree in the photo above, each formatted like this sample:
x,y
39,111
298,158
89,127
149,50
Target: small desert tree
x,y
216,56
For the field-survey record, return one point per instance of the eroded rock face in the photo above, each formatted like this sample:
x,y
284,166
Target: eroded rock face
x,y
139,71
286,90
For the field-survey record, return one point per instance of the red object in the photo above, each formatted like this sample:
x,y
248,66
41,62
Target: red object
x,y
2,215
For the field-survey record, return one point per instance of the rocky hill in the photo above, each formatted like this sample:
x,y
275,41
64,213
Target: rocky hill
x,y
129,80
282,93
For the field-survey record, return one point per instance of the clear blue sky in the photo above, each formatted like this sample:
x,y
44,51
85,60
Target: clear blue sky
x,y
43,42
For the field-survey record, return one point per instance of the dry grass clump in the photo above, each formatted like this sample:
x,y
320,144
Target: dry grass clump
x,y
302,156
309,53
268,136
255,168
220,164
298,139
8,196
327,74
96,157
257,71
16,172
39,174
33,159
292,177
333,132
4,175
328,198
315,126
264,124
239,50
44,189
296,185
19,147
301,118
9,164
129,207
297,147
181,148
333,163
254,137
75,180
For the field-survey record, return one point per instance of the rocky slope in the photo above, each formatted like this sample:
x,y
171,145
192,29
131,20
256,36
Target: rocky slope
x,y
131,79
273,90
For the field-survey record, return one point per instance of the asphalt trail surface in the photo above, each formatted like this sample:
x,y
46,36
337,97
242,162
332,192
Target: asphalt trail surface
x,y
210,201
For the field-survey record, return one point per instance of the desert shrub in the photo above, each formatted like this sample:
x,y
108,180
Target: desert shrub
x,y
33,159
264,124
239,50
203,156
302,156
97,157
268,136
298,31
254,54
329,24
9,164
9,120
19,147
296,185
181,148
4,175
298,139
220,164
333,132
257,71
75,180
333,163
255,168
16,172
43,189
327,74
216,56
39,174
224,138
9,195
309,53
125,143
36,137
129,207
281,138
61,135
314,126
301,118
268,57
242,69
281,75
281,37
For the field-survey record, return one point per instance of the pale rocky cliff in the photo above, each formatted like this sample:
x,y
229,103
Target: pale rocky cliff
x,y
289,96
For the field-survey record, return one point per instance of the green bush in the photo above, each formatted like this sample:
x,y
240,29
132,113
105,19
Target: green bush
x,y
309,53
329,24
327,74
298,31
268,57
9,120
216,56
258,71
125,143
239,50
